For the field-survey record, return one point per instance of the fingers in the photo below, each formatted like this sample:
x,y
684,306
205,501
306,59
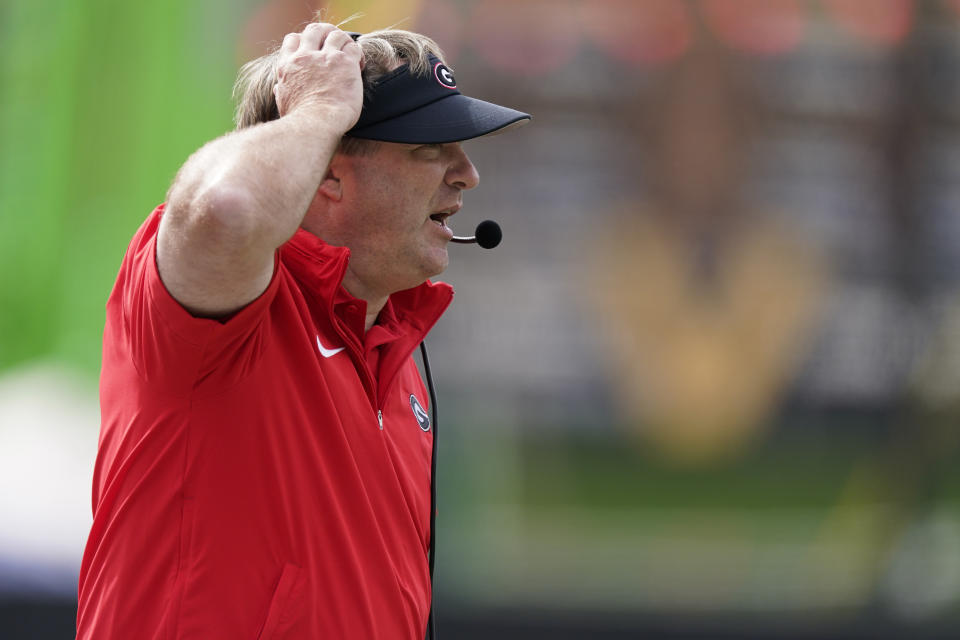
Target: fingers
x,y
290,43
317,35
311,70
342,41
338,40
314,35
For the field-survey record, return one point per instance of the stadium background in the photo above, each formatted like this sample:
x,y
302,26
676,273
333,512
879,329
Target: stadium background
x,y
708,386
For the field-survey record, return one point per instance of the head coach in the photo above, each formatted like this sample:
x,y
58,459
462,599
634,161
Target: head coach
x,y
264,464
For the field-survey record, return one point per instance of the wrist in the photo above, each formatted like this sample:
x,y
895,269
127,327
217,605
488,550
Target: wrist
x,y
323,116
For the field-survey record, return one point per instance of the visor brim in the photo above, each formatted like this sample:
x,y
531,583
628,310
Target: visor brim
x,y
451,119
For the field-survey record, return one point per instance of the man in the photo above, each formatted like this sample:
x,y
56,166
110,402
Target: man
x,y
264,460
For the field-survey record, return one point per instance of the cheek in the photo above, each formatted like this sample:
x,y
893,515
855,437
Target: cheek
x,y
399,201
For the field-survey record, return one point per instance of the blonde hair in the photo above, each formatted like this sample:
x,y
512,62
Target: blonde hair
x,y
383,51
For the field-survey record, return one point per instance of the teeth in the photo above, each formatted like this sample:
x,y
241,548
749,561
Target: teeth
x,y
440,217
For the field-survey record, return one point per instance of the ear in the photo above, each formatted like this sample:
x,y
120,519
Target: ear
x,y
331,187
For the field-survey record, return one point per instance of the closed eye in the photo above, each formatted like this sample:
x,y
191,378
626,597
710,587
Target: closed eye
x,y
428,151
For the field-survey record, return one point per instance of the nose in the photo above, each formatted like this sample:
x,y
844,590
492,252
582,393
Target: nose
x,y
461,173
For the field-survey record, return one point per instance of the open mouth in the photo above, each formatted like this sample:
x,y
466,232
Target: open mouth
x,y
441,217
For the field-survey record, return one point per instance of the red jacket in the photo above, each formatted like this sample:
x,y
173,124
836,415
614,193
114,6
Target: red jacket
x,y
245,486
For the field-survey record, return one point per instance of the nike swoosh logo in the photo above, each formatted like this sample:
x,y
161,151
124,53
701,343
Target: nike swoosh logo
x,y
326,353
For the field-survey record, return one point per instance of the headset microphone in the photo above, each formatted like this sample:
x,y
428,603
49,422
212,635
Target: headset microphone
x,y
487,235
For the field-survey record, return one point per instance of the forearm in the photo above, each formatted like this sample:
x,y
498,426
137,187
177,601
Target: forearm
x,y
254,185
243,195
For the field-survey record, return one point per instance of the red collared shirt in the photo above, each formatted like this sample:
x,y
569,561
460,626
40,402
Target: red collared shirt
x,y
263,477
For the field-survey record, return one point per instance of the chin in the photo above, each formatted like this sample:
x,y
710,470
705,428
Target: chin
x,y
436,263
442,267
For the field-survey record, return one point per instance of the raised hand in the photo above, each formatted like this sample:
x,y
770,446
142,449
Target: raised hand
x,y
319,70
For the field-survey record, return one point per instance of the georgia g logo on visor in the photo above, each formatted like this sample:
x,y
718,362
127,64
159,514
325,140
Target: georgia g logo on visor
x,y
444,76
419,413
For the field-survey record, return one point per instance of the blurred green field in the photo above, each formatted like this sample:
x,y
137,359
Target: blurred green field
x,y
794,528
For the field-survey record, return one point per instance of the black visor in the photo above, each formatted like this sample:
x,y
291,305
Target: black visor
x,y
402,107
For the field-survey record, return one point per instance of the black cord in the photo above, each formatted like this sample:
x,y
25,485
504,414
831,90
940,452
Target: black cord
x,y
431,622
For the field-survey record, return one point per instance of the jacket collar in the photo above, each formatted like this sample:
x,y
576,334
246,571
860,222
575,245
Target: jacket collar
x,y
319,269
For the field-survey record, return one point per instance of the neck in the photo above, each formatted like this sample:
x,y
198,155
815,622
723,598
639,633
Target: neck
x,y
372,315
375,300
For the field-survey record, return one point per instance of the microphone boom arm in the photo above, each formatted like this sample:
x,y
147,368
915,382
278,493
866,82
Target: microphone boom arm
x,y
487,235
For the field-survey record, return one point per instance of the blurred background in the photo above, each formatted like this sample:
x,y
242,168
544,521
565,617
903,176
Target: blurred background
x,y
708,386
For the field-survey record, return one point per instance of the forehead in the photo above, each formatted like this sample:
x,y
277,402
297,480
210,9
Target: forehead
x,y
395,148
